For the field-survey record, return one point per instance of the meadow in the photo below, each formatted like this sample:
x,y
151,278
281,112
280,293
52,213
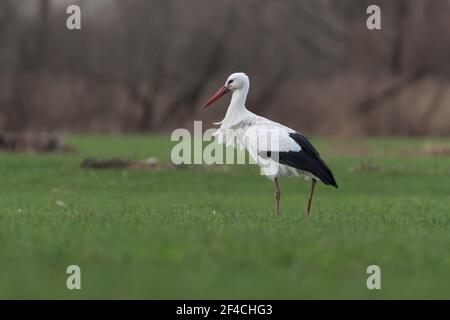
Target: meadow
x,y
199,233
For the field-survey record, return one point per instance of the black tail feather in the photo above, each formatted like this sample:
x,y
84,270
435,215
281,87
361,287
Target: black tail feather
x,y
308,159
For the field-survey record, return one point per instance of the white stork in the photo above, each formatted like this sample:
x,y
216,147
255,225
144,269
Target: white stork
x,y
279,150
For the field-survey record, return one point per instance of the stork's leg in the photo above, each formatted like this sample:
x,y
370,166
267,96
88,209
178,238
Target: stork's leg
x,y
311,193
277,196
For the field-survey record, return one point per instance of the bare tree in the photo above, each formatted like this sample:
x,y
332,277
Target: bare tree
x,y
401,13
184,102
143,65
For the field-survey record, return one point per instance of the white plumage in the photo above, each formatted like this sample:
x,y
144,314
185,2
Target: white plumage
x,y
279,150
259,135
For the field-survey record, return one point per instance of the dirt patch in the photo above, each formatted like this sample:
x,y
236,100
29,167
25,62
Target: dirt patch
x,y
151,164
117,163
354,148
366,166
430,149
361,148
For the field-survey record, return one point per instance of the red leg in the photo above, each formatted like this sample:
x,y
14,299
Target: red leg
x,y
277,196
313,186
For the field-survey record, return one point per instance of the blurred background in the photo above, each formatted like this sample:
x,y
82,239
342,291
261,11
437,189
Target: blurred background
x,y
148,65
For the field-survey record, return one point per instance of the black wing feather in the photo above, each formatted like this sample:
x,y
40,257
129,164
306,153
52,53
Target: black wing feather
x,y
307,159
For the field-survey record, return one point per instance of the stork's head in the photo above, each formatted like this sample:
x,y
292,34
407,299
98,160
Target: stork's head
x,y
236,81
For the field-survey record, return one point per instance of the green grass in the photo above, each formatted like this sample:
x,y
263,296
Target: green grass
x,y
195,233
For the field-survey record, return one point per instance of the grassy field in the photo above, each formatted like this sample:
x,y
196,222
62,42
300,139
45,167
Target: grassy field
x,y
198,233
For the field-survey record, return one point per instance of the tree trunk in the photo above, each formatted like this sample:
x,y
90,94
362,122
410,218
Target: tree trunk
x,y
147,114
398,42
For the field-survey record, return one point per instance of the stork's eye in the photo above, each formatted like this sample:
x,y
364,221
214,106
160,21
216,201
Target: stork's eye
x,y
230,81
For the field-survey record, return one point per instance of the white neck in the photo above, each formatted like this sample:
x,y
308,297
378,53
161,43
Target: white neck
x,y
236,107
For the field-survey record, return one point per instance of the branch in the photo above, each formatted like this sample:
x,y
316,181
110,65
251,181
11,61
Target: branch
x,y
434,106
269,92
371,102
189,97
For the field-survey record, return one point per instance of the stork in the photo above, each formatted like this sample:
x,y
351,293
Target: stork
x,y
288,154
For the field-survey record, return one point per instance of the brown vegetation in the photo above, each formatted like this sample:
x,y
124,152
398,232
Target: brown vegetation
x,y
147,65
32,142
118,163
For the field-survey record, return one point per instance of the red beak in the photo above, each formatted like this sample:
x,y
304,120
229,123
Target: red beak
x,y
216,96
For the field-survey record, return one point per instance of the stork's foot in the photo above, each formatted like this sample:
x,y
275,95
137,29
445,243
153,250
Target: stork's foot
x,y
277,196
277,202
307,211
311,193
